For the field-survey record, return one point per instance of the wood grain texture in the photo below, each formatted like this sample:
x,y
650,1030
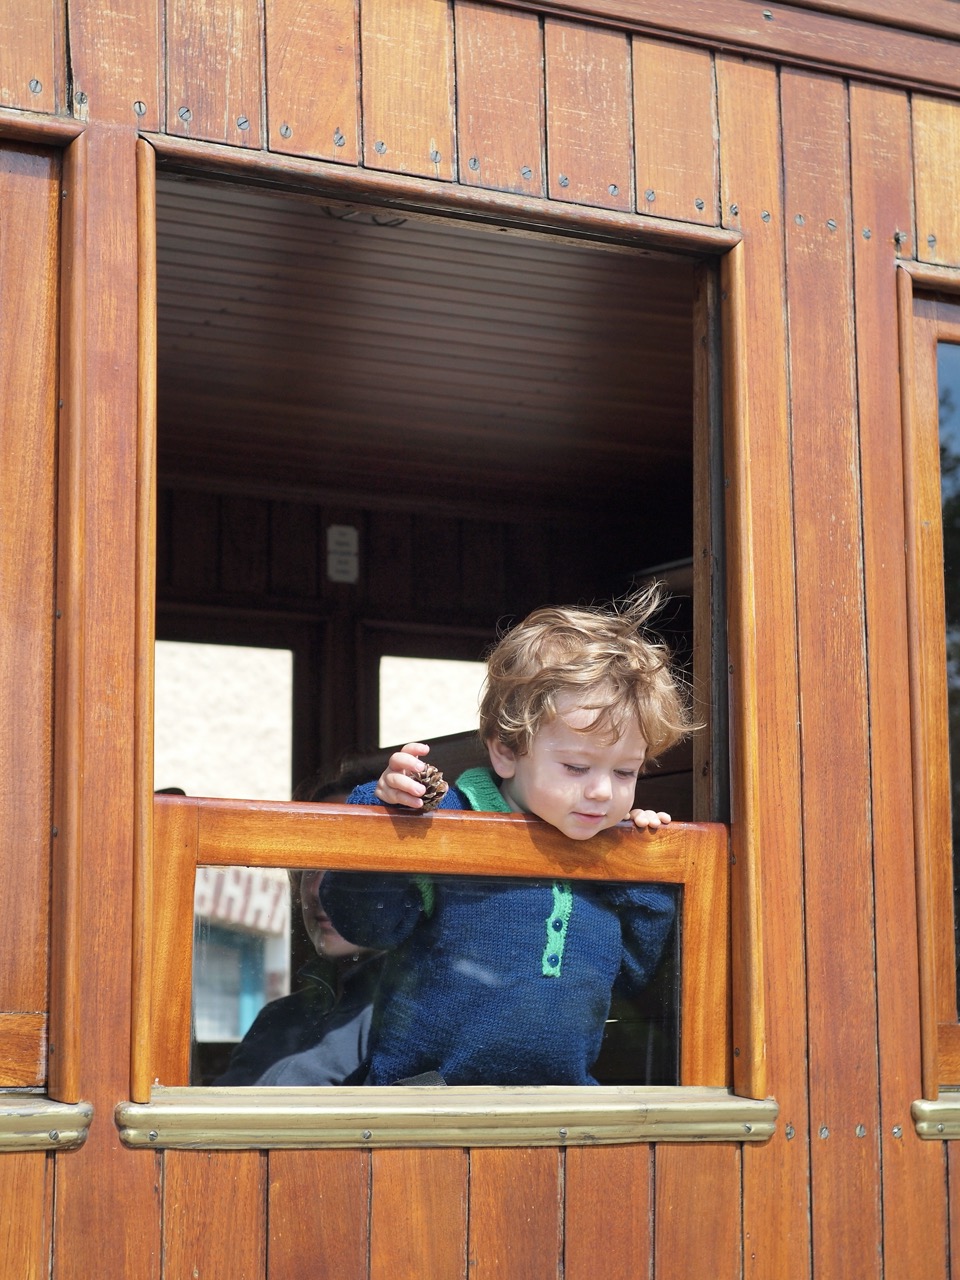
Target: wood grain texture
x,y
516,1214
936,165
26,1181
608,1218
214,81
23,1050
589,115
116,61
318,1210
499,98
418,1215
765,763
914,1220
29,212
31,38
313,104
93,913
697,1222
408,87
200,1240
838,867
675,131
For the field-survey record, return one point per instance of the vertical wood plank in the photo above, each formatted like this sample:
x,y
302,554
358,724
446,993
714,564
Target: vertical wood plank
x,y
244,544
697,1222
589,115
936,175
214,1215
318,1210
408,87
775,1176
312,78
608,1213
914,1212
92,917
516,1215
116,62
29,200
30,35
26,1182
675,131
294,560
418,1219
844,1084
499,98
214,81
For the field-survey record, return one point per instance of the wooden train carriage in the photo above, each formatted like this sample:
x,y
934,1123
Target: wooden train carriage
x,y
530,298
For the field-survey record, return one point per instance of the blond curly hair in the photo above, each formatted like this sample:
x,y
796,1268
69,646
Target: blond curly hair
x,y
604,658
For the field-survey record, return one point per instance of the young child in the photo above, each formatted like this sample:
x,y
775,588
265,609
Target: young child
x,y
508,981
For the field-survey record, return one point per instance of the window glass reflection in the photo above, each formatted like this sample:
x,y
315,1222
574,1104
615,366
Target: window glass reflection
x,y
471,994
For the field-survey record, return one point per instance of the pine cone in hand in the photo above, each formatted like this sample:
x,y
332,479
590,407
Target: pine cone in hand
x,y
432,779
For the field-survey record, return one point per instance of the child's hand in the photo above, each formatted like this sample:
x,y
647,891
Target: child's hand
x,y
399,784
647,819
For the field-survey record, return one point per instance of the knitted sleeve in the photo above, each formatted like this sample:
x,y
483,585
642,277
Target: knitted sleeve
x,y
647,913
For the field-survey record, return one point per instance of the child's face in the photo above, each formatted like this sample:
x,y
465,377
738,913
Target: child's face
x,y
320,931
578,781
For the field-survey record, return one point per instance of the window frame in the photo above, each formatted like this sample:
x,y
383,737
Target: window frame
x,y
736,1109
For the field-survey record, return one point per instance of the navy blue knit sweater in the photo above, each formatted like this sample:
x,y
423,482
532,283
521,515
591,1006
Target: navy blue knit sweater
x,y
490,980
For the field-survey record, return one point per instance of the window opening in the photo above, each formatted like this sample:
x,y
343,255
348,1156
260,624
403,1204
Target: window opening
x,y
948,396
427,698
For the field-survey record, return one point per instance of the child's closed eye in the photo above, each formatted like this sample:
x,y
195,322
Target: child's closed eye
x,y
576,768
627,773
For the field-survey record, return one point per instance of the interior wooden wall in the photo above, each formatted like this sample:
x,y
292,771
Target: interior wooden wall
x,y
828,180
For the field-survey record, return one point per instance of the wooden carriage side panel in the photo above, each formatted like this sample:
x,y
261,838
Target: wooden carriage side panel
x,y
589,115
516,1214
418,1214
913,1172
26,1182
608,1212
936,159
838,870
697,1223
91,979
313,103
214,1214
214,78
31,44
29,213
116,63
675,131
775,1176
408,87
499,98
319,1212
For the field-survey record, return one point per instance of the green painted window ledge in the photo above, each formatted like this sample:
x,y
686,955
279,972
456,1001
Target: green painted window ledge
x,y
474,1116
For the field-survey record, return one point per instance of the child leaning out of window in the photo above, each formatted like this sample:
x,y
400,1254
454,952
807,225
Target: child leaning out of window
x,y
508,981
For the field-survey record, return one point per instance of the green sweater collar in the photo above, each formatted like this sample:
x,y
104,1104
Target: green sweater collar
x,y
480,788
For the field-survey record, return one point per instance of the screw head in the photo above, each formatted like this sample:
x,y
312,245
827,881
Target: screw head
x,y
81,98
526,172
866,233
35,86
564,180
185,114
699,204
140,108
54,1135
650,195
435,156
243,123
473,163
824,1131
799,219
613,189
366,1135
734,209
286,131
765,215
931,240
898,1131
832,224
380,148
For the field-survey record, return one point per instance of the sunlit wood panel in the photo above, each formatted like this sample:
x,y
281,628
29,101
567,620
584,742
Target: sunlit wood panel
x,y
312,79
936,174
213,70
116,62
31,33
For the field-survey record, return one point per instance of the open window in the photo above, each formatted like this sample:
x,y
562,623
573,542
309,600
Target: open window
x,y
386,426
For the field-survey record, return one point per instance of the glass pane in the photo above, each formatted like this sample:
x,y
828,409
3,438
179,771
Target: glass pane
x,y
948,385
428,697
469,979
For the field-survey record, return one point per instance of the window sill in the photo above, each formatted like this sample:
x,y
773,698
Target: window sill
x,y
475,1116
31,1123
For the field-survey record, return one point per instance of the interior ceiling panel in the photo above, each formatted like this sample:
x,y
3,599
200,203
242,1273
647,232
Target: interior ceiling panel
x,y
345,353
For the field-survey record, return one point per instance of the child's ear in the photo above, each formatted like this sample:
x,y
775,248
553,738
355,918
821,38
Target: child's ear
x,y
503,758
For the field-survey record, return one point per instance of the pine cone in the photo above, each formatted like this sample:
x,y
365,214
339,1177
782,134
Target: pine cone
x,y
432,779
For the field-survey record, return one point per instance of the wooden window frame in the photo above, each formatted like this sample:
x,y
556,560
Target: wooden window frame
x,y
722,1096
937,1113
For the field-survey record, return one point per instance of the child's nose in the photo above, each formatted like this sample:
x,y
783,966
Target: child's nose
x,y
598,787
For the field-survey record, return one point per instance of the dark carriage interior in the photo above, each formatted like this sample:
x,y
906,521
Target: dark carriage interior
x,y
504,418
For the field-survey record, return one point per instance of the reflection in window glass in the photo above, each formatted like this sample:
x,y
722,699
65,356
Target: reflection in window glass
x,y
424,698
476,980
948,385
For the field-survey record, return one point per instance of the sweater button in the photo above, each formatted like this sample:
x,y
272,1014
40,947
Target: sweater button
x,y
558,925
553,961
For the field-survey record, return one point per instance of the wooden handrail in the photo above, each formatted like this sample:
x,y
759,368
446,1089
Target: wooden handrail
x,y
191,832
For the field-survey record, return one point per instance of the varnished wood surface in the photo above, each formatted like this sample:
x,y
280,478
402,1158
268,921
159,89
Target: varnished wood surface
x,y
231,1242
914,1215
26,1180
418,1224
319,1214
29,213
516,1214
